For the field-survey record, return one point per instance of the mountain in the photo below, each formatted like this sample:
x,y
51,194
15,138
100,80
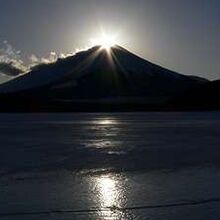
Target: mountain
x,y
96,76
203,97
4,78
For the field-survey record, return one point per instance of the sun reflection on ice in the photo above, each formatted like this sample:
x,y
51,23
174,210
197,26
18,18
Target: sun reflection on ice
x,y
108,191
105,136
107,122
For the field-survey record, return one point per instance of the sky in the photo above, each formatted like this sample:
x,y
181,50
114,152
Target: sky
x,y
182,35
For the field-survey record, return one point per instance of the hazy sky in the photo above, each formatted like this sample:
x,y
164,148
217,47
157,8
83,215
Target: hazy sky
x,y
182,35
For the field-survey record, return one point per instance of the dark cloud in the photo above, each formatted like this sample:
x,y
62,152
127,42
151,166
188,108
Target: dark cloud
x,y
9,69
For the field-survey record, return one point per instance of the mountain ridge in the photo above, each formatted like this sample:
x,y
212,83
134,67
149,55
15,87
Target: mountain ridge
x,y
98,74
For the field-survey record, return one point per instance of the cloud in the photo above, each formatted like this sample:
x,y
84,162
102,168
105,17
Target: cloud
x,y
8,53
9,69
43,60
34,59
10,61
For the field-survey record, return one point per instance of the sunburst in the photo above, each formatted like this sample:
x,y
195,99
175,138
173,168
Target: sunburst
x,y
106,41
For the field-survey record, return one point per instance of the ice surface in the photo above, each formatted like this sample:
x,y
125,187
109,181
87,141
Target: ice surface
x,y
110,166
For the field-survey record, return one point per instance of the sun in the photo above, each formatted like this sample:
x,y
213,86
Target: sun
x,y
106,41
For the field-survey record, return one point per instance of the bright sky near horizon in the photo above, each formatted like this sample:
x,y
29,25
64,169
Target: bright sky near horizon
x,y
179,35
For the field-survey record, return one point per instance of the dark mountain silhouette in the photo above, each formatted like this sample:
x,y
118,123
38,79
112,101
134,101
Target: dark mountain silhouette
x,y
203,97
96,79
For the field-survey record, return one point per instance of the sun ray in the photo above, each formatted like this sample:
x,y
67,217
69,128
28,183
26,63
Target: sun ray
x,y
105,41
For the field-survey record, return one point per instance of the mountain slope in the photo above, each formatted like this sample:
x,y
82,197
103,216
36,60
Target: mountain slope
x,y
97,75
205,97
4,78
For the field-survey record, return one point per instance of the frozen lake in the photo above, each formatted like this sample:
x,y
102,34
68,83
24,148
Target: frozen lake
x,y
110,166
